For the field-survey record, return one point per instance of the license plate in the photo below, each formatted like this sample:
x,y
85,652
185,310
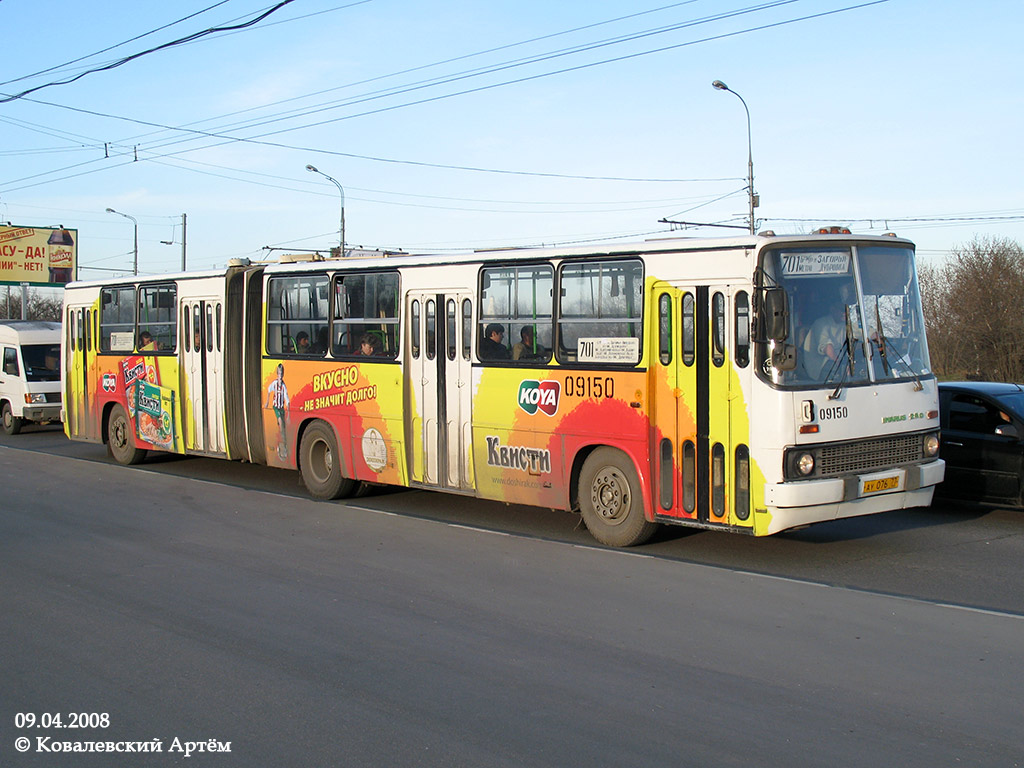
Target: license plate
x,y
879,485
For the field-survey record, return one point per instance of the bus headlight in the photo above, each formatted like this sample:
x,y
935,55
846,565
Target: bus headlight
x,y
35,399
805,464
931,445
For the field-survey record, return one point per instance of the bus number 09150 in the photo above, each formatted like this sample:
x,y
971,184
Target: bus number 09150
x,y
589,386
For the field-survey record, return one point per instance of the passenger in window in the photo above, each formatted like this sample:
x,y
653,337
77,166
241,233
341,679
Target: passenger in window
x,y
302,345
491,345
322,342
369,345
526,348
146,343
824,343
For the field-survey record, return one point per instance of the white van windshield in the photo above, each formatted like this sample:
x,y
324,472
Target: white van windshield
x,y
42,362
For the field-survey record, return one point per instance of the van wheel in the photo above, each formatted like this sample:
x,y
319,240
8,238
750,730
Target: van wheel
x,y
11,423
121,438
320,464
611,501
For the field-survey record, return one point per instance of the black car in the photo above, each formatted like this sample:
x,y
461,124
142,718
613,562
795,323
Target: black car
x,y
982,441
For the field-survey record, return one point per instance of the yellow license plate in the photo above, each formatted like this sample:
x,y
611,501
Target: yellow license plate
x,y
881,484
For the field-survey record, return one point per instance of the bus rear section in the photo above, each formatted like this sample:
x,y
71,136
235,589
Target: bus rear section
x,y
30,376
145,365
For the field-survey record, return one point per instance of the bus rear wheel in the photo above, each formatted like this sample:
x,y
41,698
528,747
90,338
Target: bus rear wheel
x,y
121,438
611,501
11,423
320,464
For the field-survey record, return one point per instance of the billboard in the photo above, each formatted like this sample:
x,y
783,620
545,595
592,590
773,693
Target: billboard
x,y
38,255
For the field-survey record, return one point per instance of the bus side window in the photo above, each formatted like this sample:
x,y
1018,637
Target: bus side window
x,y
718,329
689,339
414,330
467,329
600,310
742,328
665,329
514,322
431,330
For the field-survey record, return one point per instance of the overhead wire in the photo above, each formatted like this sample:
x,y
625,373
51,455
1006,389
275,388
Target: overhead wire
x,y
260,139
134,56
112,47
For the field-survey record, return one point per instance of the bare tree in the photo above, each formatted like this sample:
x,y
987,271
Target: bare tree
x,y
42,305
974,311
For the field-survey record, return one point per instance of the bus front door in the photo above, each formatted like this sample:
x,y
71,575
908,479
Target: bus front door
x,y
691,392
202,373
439,390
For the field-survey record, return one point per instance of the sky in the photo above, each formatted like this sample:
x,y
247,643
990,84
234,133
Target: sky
x,y
461,124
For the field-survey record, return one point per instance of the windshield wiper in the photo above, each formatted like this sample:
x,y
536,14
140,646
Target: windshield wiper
x,y
881,340
850,353
904,360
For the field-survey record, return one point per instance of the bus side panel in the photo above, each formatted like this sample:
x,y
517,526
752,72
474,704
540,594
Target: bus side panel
x,y
529,425
361,401
146,386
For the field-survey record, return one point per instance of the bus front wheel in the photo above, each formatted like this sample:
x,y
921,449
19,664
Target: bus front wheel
x,y
320,464
611,501
121,438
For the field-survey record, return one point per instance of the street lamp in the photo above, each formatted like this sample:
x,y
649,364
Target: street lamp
x,y
719,85
135,245
341,189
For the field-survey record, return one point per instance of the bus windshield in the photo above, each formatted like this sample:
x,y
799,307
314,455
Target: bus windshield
x,y
832,294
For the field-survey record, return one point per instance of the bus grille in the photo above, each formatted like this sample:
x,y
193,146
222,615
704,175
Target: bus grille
x,y
866,455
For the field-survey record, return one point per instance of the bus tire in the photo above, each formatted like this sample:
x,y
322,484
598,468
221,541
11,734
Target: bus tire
x,y
320,464
11,423
121,438
611,501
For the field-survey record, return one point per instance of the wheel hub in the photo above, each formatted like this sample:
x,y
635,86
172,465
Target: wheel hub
x,y
610,495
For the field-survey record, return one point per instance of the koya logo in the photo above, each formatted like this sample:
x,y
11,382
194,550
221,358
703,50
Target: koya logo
x,y
539,395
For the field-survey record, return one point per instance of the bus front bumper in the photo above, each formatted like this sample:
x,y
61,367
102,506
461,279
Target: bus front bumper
x,y
838,489
801,503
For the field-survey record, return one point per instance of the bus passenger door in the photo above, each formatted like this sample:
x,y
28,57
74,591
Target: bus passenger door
x,y
439,389
690,392
202,372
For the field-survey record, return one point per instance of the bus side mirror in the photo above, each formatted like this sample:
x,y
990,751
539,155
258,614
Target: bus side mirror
x,y
776,314
784,357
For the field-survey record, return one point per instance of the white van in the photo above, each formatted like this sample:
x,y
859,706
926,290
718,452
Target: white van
x,y
29,373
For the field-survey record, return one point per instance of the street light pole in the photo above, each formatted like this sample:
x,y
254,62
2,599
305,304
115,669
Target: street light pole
x,y
341,189
719,85
135,243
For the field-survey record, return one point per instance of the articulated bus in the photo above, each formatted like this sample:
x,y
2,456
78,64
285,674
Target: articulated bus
x,y
749,384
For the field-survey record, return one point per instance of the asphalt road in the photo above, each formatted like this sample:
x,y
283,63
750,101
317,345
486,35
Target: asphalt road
x,y
194,600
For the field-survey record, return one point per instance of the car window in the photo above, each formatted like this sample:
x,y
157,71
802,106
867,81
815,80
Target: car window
x,y
968,413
